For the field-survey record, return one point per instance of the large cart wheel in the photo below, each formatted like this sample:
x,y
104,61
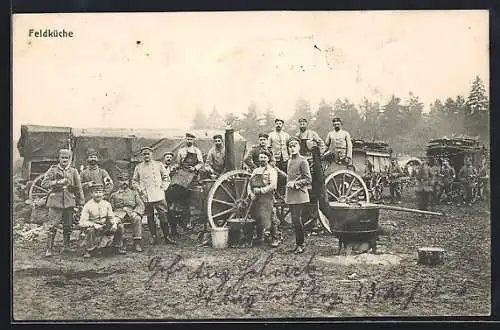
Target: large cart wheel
x,y
228,198
345,186
37,194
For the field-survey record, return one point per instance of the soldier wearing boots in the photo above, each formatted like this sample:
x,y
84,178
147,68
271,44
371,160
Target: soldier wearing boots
x,y
66,193
424,185
102,227
395,174
466,175
129,207
150,180
263,182
93,174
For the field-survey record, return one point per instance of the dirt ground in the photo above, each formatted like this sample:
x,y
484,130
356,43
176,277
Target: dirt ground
x,y
186,281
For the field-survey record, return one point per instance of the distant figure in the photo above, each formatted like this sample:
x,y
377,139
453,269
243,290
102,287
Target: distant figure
x,y
435,168
467,175
66,193
93,174
424,185
216,157
446,177
484,180
395,174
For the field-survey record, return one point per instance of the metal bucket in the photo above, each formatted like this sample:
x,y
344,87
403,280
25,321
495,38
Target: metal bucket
x,y
219,237
240,232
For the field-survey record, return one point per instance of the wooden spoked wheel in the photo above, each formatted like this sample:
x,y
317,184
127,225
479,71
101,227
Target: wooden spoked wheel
x,y
345,186
37,194
228,199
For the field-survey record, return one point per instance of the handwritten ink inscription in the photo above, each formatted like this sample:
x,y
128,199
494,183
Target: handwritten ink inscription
x,y
262,280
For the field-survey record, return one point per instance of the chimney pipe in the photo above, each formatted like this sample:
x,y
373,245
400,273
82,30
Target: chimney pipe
x,y
229,163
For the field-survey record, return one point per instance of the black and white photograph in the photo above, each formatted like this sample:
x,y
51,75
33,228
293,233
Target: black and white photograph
x,y
250,165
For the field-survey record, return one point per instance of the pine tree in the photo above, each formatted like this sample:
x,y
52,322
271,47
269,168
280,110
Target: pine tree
x,y
322,122
199,120
215,120
477,114
477,100
250,124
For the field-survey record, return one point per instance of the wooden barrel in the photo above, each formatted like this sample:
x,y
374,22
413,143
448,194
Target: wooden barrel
x,y
430,256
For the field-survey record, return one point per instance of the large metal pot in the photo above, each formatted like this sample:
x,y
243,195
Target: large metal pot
x,y
354,222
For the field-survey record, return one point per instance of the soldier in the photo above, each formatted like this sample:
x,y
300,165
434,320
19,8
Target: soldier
x,y
190,157
66,193
168,162
308,138
277,142
93,174
484,175
103,228
435,168
466,175
263,182
446,177
339,143
424,185
395,174
151,180
252,158
216,157
129,208
296,195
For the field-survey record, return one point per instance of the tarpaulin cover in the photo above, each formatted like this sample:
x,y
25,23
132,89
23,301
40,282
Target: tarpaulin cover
x,y
42,141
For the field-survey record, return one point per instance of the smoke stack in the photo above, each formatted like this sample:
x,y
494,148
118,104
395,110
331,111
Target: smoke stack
x,y
229,154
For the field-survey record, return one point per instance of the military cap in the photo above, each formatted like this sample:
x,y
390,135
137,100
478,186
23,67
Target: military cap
x,y
217,136
301,119
290,140
169,153
265,152
65,152
122,176
190,135
263,135
92,152
146,148
335,119
97,187
277,120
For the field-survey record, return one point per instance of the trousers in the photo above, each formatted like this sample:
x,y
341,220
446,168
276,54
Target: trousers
x,y
58,215
262,212
297,212
161,209
136,222
99,238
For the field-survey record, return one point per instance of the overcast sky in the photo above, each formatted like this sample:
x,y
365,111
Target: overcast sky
x,y
102,78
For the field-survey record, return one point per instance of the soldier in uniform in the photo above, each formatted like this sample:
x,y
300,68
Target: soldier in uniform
x,y
277,142
308,138
484,175
66,193
151,180
339,143
424,185
395,174
129,208
216,157
252,158
93,174
263,182
296,195
435,168
190,157
466,175
446,177
103,228
168,162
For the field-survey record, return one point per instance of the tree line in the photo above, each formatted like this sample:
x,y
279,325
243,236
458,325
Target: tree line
x,y
400,122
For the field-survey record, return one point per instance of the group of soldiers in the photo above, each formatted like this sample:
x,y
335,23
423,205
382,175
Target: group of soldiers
x,y
435,181
279,162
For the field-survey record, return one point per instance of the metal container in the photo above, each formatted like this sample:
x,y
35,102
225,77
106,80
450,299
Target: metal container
x,y
241,232
353,218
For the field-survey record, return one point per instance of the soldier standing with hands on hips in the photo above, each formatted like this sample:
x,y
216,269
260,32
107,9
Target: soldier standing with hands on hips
x,y
66,193
339,143
277,143
296,195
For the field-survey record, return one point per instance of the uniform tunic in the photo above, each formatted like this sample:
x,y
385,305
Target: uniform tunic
x,y
63,196
101,213
128,206
151,180
96,175
299,173
215,159
339,143
252,158
277,142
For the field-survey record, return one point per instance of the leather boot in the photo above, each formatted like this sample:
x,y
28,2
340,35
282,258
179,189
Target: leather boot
x,y
66,243
50,244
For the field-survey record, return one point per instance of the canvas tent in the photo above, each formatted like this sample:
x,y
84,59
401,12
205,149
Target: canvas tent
x,y
119,148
